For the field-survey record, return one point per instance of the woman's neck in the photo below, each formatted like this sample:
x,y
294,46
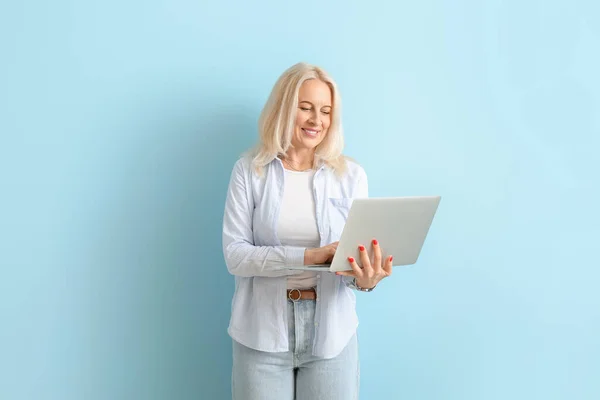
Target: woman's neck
x,y
299,160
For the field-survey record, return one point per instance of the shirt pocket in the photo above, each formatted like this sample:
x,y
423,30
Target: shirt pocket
x,y
338,209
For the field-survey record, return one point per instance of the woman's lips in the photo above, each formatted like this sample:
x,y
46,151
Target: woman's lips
x,y
311,132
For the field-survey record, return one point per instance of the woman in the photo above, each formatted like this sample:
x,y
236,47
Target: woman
x,y
294,332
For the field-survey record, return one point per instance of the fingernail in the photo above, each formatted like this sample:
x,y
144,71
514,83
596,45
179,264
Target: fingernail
x,y
375,242
361,248
391,258
351,259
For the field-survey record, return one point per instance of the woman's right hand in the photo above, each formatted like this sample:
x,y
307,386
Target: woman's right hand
x,y
320,255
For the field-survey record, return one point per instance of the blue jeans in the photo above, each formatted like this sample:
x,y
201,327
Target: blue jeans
x,y
295,374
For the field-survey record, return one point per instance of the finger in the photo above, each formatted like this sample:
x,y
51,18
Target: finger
x,y
346,273
364,259
387,266
376,256
330,254
358,272
332,248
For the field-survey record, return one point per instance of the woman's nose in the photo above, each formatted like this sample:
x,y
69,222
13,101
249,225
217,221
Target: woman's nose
x,y
314,119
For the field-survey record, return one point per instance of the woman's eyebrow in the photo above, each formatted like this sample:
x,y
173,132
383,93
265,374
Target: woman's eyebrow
x,y
304,101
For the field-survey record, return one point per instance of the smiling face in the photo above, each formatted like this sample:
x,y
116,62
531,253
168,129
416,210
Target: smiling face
x,y
313,115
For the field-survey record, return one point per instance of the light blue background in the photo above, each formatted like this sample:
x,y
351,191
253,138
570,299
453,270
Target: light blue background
x,y
120,122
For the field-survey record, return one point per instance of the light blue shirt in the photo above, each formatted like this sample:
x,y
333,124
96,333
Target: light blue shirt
x,y
255,256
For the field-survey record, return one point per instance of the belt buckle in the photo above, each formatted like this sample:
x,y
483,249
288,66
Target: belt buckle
x,y
290,295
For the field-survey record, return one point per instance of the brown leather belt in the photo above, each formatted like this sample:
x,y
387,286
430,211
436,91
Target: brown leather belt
x,y
304,294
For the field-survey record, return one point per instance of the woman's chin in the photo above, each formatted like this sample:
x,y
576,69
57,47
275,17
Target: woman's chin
x,y
306,143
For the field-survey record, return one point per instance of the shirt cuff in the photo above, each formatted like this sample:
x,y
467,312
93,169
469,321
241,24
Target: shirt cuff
x,y
294,255
350,282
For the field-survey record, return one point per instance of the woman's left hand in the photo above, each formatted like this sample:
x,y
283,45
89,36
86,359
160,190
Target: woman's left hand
x,y
371,272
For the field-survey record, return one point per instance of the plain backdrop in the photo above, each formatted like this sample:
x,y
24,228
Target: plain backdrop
x,y
120,122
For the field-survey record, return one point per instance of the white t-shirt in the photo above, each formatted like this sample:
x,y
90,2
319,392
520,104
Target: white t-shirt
x,y
297,225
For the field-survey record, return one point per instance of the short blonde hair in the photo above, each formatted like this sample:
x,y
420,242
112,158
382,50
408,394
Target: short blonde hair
x,y
278,118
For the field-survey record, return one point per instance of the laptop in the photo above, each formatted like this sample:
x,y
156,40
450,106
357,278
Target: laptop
x,y
400,225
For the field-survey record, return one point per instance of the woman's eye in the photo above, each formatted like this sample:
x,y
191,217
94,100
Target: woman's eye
x,y
326,112
305,109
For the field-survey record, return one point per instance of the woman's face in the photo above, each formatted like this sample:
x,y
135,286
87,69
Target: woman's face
x,y
313,115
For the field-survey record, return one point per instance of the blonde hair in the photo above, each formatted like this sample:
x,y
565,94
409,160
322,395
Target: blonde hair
x,y
278,118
